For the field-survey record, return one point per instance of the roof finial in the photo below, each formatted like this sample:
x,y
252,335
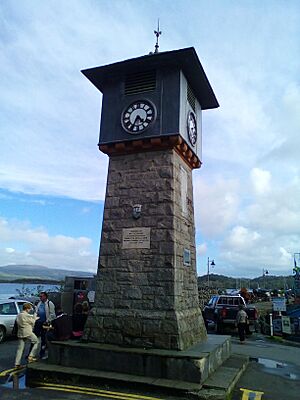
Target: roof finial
x,y
157,34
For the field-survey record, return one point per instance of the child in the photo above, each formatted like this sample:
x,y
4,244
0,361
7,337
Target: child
x,y
25,323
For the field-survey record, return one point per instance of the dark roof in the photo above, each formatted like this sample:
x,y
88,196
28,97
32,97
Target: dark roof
x,y
184,59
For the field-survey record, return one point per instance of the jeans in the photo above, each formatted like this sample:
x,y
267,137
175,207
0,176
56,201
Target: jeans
x,y
21,345
40,332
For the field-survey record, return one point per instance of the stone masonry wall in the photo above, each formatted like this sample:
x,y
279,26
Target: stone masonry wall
x,y
147,297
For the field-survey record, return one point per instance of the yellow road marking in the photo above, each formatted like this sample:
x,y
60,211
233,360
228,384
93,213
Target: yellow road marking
x,y
247,392
60,389
97,392
8,371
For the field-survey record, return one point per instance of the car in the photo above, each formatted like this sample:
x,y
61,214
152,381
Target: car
x,y
9,309
223,309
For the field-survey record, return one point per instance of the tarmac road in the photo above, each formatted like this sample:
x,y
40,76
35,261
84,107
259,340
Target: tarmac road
x,y
274,370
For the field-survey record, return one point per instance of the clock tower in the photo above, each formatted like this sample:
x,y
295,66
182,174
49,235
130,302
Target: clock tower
x,y
147,294
154,99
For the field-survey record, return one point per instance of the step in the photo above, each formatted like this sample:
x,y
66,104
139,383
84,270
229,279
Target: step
x,y
36,373
216,387
221,383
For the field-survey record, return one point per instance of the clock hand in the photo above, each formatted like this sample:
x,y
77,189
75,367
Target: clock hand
x,y
138,120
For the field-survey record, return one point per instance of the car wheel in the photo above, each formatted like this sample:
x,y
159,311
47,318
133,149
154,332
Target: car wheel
x,y
2,334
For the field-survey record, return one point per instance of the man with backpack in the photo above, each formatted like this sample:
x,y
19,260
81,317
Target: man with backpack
x,y
46,312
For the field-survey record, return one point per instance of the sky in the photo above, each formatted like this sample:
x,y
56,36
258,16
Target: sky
x,y
52,175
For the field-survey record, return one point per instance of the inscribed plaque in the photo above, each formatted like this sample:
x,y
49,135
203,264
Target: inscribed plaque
x,y
136,238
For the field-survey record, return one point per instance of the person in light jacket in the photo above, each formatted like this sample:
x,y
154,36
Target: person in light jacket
x,y
45,308
25,323
241,320
46,313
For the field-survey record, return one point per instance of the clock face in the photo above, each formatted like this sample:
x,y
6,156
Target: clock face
x,y
192,128
138,116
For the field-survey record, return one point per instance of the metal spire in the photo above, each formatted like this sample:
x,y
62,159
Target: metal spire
x,y
157,34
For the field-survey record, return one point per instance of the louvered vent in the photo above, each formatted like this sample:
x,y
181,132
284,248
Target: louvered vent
x,y
191,97
140,82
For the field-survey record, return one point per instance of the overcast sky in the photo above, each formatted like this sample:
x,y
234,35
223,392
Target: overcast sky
x,y
52,175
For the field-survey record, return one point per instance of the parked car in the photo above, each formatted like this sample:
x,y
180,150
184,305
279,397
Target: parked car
x,y
9,309
222,310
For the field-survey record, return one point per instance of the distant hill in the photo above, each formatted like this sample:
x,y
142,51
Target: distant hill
x,y
36,273
268,282
39,273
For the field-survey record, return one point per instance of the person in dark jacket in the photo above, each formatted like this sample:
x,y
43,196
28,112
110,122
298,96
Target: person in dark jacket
x,y
60,328
78,321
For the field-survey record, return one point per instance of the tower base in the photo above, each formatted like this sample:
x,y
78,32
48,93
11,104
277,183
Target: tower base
x,y
99,365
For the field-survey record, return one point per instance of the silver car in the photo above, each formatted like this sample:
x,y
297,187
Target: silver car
x,y
9,309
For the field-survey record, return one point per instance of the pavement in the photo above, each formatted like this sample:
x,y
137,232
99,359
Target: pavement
x,y
272,374
273,371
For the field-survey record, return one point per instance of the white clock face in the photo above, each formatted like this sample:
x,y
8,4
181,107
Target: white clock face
x,y
192,128
138,116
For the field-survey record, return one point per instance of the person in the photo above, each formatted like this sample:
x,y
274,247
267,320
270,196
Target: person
x,y
85,307
60,327
78,320
241,320
46,313
25,324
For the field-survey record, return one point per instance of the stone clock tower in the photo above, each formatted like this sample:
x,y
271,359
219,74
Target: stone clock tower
x,y
146,294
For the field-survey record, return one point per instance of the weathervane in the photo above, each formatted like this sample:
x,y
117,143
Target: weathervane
x,y
157,34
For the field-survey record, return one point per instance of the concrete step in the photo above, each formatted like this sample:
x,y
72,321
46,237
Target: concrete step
x,y
39,372
216,387
221,383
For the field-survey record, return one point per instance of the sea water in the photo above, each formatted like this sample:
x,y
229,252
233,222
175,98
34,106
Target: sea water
x,y
14,289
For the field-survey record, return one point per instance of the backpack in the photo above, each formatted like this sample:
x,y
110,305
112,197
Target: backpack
x,y
15,328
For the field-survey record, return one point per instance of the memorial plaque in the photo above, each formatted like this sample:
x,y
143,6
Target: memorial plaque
x,y
186,257
136,238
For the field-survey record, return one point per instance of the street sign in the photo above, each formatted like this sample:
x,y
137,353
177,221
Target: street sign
x,y
279,304
286,325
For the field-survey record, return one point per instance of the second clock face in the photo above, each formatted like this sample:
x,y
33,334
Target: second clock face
x,y
192,128
138,116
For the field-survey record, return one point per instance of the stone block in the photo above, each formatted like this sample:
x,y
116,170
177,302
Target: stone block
x,y
151,327
131,293
132,327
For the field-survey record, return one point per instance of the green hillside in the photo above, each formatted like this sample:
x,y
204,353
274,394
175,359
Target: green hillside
x,y
267,282
36,273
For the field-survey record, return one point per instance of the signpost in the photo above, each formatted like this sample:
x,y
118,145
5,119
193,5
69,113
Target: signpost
x,y
279,304
286,325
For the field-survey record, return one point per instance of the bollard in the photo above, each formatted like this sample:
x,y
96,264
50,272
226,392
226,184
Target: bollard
x,y
15,381
271,325
251,394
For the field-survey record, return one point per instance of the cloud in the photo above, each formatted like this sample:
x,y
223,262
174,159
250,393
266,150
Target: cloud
x,y
266,232
202,248
278,211
86,210
242,239
261,180
246,195
287,120
36,246
9,250
216,205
